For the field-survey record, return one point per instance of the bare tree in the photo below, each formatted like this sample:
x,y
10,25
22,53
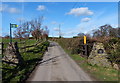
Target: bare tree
x,y
81,34
45,33
36,30
36,34
18,32
33,28
23,31
106,30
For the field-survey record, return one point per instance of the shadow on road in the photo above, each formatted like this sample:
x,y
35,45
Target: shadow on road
x,y
48,59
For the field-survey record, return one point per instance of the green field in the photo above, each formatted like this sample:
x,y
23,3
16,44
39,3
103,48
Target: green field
x,y
31,56
27,42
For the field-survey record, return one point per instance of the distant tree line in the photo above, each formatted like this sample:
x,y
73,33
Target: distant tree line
x,y
105,30
34,28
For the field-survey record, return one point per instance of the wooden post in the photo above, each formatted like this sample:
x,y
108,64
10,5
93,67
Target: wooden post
x,y
28,41
25,46
17,53
2,47
86,50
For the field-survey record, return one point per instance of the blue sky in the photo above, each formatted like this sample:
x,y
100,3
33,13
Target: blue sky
x,y
74,17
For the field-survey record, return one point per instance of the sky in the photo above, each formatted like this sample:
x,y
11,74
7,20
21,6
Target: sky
x,y
73,17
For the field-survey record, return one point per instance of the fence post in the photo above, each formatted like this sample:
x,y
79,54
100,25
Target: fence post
x,y
86,50
17,53
83,47
0,47
25,46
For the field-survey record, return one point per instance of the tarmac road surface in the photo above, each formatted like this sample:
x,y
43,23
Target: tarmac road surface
x,y
58,66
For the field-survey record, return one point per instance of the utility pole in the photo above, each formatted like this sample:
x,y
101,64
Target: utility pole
x,y
52,36
59,31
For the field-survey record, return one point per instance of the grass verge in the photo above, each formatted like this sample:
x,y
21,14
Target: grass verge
x,y
31,58
98,73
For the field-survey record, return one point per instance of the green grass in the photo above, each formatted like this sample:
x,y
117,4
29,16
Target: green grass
x,y
5,40
96,72
27,42
31,57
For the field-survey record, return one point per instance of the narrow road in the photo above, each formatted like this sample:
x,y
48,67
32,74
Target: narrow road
x,y
58,66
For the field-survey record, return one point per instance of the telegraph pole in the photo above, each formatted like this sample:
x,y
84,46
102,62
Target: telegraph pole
x,y
52,36
59,31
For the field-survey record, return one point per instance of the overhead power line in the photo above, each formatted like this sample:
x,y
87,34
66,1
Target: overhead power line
x,y
74,5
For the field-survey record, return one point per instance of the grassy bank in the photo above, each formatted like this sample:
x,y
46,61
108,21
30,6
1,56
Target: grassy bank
x,y
98,73
27,42
31,58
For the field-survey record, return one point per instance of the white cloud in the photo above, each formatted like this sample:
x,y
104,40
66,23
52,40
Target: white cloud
x,y
85,19
95,23
13,10
53,22
80,11
41,7
56,29
6,8
3,7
